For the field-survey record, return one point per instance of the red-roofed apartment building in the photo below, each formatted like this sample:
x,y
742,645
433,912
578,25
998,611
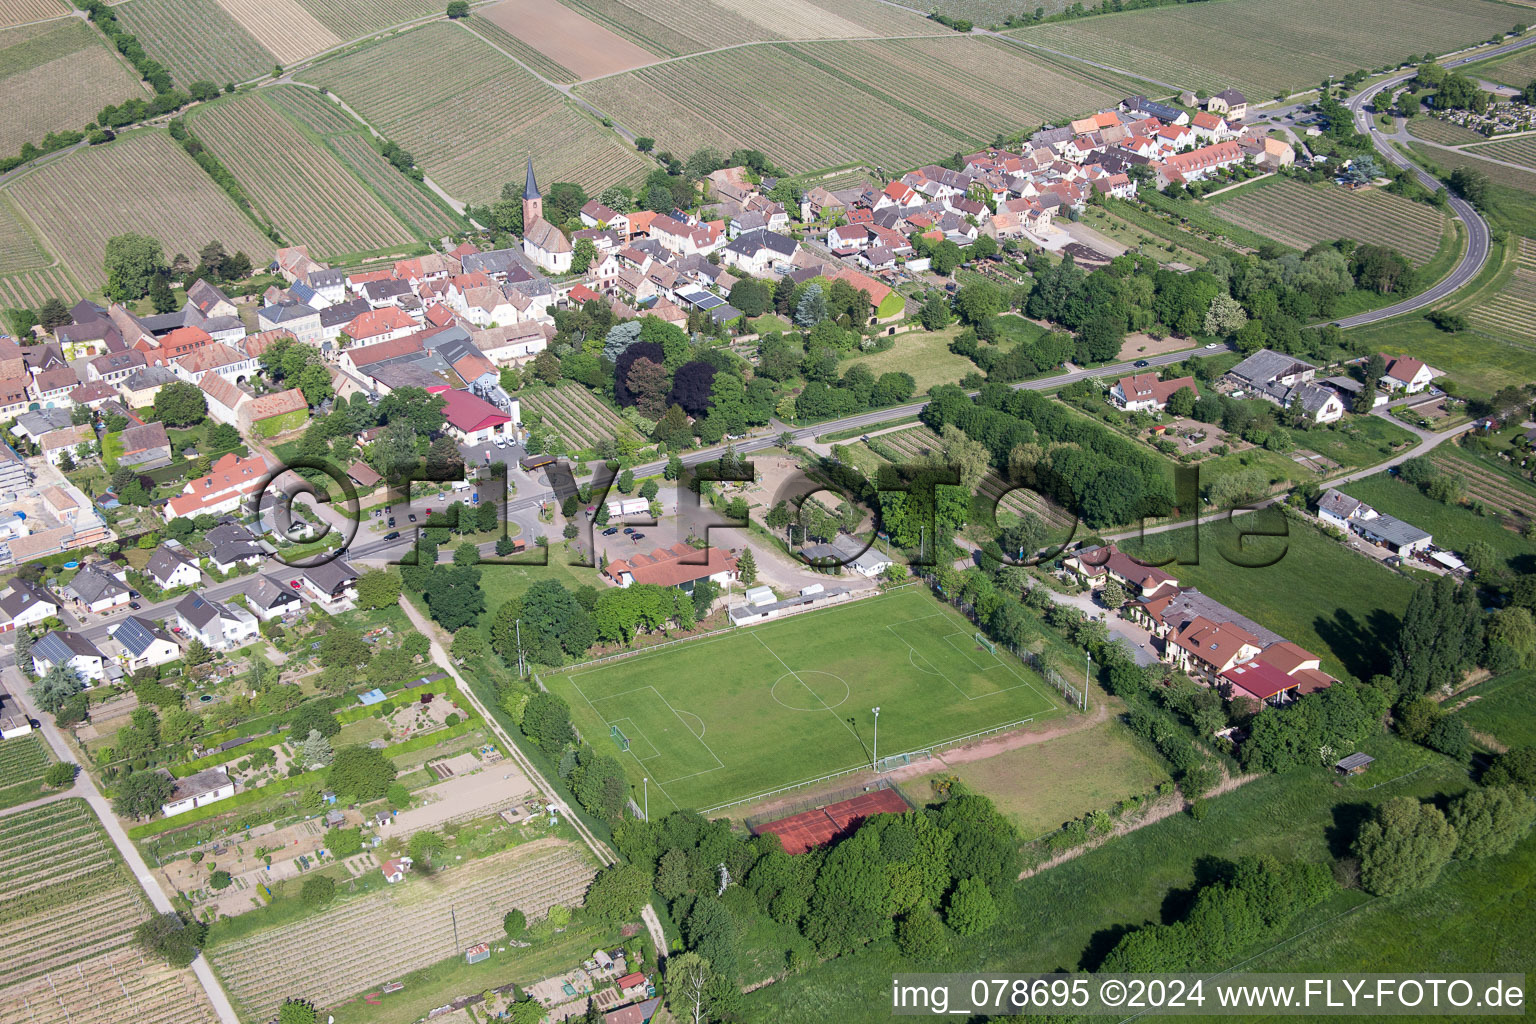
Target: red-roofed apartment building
x,y
678,566
378,325
1205,650
1144,391
470,419
1198,164
232,480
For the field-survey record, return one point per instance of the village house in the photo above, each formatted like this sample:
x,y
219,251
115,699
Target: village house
x,y
218,626
1229,102
114,367
375,325
1340,510
97,591
1143,391
144,644
470,419
1404,373
66,441
71,650
333,584
269,598
1097,565
26,604
300,318
50,388
756,252
172,566
227,486
145,446
139,388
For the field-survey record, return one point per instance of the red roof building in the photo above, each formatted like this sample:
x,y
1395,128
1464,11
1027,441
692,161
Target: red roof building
x,y
471,419
1142,391
678,566
231,481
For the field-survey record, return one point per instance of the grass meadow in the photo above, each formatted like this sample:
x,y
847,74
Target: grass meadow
x,y
1066,918
727,717
1311,590
1501,712
1043,785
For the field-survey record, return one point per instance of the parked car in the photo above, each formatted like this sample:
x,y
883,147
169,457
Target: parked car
x,y
392,535
1212,345
412,517
629,529
391,521
134,605
500,442
637,536
610,531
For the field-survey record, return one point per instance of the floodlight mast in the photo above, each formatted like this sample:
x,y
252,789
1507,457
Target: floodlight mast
x,y
874,763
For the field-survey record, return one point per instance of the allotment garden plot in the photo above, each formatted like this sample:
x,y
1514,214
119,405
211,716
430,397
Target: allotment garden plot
x,y
728,717
372,939
66,929
1301,215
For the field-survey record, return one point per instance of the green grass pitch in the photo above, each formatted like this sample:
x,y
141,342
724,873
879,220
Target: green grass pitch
x,y
727,717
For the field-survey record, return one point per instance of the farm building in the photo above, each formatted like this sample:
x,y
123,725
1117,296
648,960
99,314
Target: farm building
x,y
13,721
1354,764
205,787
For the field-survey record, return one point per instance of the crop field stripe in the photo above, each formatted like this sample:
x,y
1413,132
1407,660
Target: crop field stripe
x,y
1265,47
1301,215
55,75
1516,151
534,59
301,186
15,12
196,39
350,19
163,194
312,109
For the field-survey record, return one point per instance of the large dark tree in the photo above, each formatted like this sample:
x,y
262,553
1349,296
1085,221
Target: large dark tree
x,y
692,385
635,351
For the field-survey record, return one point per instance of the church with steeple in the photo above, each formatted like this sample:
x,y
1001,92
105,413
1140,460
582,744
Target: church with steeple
x,y
543,243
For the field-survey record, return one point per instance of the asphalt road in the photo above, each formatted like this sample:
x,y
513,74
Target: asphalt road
x,y
1477,228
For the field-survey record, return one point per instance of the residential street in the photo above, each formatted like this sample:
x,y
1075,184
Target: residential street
x,y
85,788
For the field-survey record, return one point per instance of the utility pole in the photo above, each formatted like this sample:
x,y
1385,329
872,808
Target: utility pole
x,y
519,626
1087,670
646,783
875,760
454,914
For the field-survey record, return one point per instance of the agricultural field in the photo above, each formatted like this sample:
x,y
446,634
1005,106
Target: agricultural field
x,y
535,61
1453,526
469,130
66,927
283,27
196,39
875,99
1520,151
57,76
1510,312
22,762
421,211
559,38
1342,606
304,189
918,443
670,28
986,13
787,701
405,927
351,19
17,12
1504,493
1447,133
164,194
576,416
1301,215
1448,160
1516,69
1270,47
1042,785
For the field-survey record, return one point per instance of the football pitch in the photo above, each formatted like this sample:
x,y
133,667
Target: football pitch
x,y
727,717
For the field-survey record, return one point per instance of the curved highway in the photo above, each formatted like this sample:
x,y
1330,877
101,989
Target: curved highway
x,y
1477,228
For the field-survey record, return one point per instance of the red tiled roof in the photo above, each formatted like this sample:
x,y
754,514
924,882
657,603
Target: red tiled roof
x,y
370,354
277,404
378,321
1143,386
470,413
1214,642
665,566
231,475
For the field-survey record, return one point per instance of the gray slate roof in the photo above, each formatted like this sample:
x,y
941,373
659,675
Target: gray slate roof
x,y
91,585
59,647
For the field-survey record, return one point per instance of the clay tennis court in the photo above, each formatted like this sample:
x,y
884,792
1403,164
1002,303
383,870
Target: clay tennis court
x,y
584,47
808,829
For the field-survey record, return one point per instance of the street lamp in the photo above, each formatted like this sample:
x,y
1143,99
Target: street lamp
x,y
875,758
1087,672
646,783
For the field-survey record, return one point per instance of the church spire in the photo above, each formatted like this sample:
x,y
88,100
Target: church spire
x,y
531,187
